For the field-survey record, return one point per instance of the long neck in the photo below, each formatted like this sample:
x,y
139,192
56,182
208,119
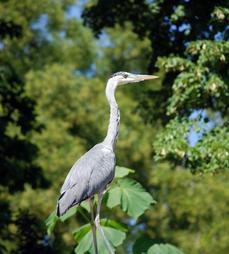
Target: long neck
x,y
113,128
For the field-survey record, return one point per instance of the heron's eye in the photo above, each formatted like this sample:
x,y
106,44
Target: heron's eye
x,y
125,75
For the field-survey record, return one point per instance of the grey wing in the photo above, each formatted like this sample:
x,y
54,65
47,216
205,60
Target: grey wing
x,y
89,175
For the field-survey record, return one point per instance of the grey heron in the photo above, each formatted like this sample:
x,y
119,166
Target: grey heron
x,y
92,173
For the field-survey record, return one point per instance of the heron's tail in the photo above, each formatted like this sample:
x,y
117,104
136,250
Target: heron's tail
x,y
65,202
59,210
68,199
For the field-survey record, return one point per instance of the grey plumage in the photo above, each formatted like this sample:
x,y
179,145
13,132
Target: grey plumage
x,y
88,176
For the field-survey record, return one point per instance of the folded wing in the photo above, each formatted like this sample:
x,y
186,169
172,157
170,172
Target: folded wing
x,y
88,176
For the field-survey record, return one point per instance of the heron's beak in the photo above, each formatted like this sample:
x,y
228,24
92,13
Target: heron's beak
x,y
145,77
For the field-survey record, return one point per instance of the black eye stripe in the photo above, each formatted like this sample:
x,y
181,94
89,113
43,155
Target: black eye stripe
x,y
124,74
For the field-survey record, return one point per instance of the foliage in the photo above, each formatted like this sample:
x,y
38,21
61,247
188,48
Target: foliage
x,y
201,83
24,46
17,116
168,24
163,249
193,207
146,245
30,235
122,51
210,154
128,193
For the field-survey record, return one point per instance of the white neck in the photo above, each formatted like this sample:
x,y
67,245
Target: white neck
x,y
113,129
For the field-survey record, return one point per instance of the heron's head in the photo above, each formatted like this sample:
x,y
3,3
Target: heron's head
x,y
123,77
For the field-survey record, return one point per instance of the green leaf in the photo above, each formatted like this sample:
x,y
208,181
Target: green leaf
x,y
114,197
113,224
128,193
134,200
85,205
122,171
51,222
79,233
164,249
86,244
53,218
83,236
72,211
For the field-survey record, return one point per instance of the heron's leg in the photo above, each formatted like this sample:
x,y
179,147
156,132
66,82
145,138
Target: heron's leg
x,y
98,226
97,217
93,226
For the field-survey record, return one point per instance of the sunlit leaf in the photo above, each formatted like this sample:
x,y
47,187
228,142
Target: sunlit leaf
x,y
128,193
164,249
122,171
114,197
85,205
79,233
51,222
113,224
86,244
72,211
134,200
53,218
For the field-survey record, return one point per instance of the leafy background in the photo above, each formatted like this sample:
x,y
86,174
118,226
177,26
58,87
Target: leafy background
x,y
55,59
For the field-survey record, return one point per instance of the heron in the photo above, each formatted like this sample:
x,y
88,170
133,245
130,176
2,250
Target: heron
x,y
95,170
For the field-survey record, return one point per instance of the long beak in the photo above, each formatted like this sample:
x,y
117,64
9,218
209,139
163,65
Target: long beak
x,y
146,77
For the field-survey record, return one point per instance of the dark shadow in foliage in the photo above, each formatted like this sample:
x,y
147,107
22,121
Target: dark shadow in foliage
x,y
17,153
5,219
155,19
142,244
31,236
9,28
